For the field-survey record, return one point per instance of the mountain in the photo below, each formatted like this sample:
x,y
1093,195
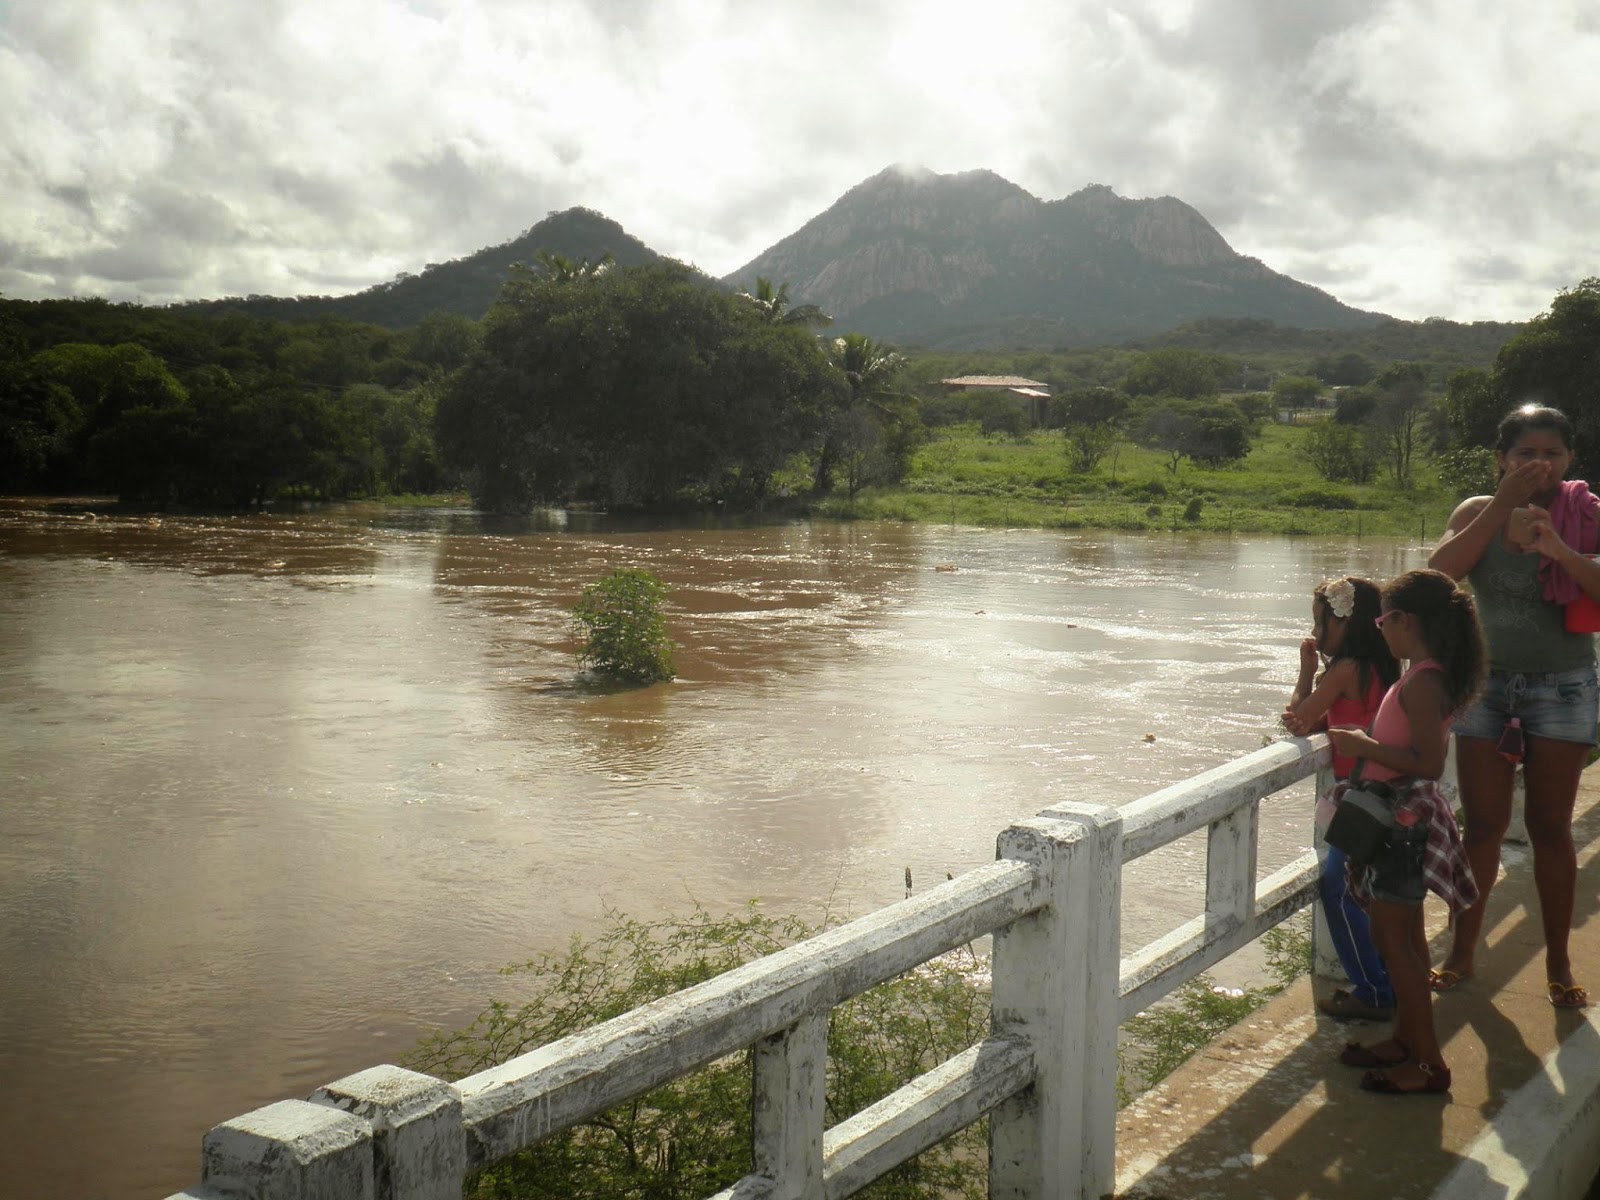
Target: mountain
x,y
463,285
971,260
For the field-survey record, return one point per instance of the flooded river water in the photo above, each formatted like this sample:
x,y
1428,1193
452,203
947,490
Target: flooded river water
x,y
282,793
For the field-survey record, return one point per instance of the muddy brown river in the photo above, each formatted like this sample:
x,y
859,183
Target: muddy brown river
x,y
281,793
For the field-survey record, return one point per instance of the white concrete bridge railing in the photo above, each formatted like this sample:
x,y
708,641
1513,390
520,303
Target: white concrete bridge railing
x,y
1046,1073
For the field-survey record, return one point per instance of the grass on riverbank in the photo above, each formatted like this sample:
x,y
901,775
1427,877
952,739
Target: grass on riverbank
x,y
962,477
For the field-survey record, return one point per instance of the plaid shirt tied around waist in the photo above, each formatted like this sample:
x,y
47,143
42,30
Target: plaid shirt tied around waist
x,y
1445,869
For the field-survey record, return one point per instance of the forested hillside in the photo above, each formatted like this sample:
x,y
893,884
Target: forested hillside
x,y
655,387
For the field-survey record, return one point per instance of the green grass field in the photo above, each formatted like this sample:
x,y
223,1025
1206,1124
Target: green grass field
x,y
964,478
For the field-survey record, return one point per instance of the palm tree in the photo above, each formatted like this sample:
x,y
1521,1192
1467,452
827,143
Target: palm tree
x,y
775,309
871,369
561,269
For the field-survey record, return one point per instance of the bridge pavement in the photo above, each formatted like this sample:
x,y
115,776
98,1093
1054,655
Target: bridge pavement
x,y
1522,1118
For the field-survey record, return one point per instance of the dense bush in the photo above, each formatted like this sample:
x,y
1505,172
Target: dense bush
x,y
1315,497
1002,413
1338,452
622,630
1150,489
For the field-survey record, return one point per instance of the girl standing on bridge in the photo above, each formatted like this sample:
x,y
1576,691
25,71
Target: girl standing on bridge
x,y
1432,624
1360,670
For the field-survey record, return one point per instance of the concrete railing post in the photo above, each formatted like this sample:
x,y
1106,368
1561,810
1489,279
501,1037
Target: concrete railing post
x,y
788,1103
419,1145
291,1150
1231,870
1056,979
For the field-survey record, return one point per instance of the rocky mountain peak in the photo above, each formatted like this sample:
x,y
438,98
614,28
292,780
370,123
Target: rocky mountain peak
x,y
909,251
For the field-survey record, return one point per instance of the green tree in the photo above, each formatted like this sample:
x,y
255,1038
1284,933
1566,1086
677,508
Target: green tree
x,y
1402,408
621,629
635,387
1345,369
1001,412
1092,421
1213,433
1186,374
123,401
40,418
443,341
1469,411
871,372
1296,391
1338,452
1556,360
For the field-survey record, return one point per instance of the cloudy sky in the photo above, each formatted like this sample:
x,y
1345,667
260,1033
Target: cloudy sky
x,y
1417,157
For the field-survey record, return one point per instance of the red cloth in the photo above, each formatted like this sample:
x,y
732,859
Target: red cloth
x,y
1575,516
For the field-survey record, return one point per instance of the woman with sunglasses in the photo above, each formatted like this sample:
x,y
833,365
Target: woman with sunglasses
x,y
1525,552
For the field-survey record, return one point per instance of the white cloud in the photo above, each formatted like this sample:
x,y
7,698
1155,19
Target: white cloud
x,y
1421,157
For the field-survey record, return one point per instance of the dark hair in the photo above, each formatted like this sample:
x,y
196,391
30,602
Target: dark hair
x,y
1531,416
1363,641
1448,621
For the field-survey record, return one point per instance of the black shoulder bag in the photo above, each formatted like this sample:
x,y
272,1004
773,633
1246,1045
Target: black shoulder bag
x,y
1363,819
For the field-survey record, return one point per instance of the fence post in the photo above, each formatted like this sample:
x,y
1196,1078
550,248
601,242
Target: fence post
x,y
1231,870
1056,984
788,1105
291,1150
419,1145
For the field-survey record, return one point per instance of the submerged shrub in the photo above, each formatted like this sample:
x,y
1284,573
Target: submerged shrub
x,y
621,628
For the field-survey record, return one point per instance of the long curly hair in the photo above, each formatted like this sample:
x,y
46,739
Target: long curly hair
x,y
1362,641
1448,620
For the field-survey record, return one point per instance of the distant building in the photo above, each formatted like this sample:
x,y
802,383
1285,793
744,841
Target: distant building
x,y
1034,393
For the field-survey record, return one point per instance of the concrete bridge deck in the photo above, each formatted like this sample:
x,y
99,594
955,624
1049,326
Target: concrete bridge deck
x,y
1522,1118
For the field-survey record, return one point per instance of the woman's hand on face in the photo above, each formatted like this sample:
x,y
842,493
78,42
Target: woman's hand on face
x,y
1523,482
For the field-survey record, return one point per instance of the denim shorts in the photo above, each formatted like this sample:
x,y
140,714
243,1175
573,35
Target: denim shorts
x,y
1561,707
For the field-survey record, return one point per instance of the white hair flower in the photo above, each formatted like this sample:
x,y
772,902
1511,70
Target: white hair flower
x,y
1341,598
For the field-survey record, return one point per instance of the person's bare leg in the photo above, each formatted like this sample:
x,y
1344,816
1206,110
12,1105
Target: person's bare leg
x,y
1550,776
1485,780
1394,931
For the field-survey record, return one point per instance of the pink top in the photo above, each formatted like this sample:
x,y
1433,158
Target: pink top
x,y
1391,727
1357,713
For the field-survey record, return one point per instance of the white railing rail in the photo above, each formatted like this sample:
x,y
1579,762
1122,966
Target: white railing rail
x,y
1046,1074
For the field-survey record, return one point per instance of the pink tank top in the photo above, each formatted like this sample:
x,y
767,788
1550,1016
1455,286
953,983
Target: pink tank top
x,y
1358,713
1392,727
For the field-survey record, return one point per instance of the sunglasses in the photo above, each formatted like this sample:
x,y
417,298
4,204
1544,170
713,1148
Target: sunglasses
x,y
1379,620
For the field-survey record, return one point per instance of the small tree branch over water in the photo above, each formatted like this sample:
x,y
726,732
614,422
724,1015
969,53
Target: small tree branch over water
x,y
690,1138
621,628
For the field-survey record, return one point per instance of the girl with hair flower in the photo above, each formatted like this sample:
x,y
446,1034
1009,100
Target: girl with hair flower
x,y
1359,670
